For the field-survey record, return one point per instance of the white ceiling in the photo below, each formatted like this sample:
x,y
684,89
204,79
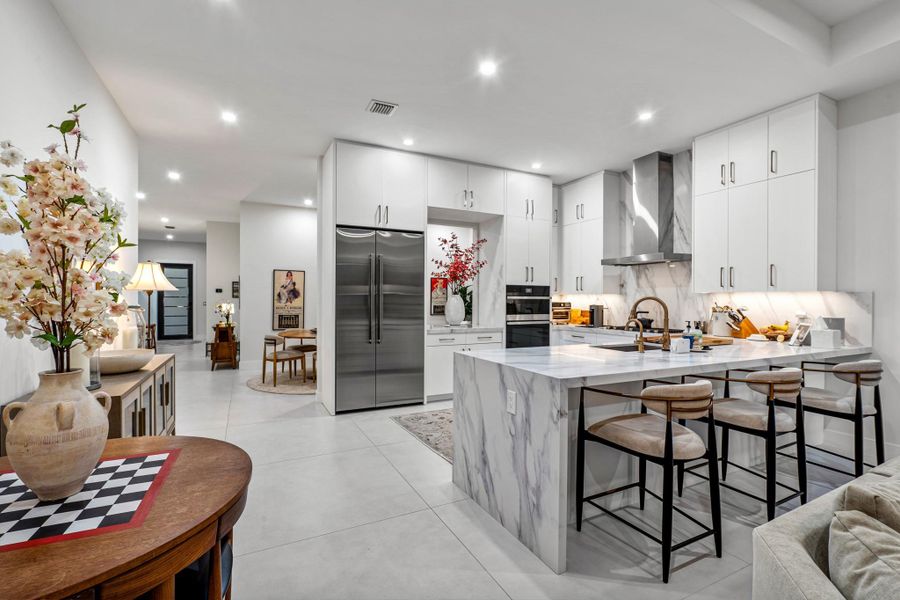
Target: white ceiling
x,y
573,76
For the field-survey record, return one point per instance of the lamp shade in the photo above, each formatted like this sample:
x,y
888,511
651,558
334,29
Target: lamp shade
x,y
149,277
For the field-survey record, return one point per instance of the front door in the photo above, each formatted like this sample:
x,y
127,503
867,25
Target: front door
x,y
175,310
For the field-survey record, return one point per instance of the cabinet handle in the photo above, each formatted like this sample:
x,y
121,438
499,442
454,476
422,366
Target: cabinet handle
x,y
577,211
555,216
378,215
721,277
134,423
722,174
484,337
471,198
732,171
731,276
582,211
526,274
773,161
532,209
555,284
532,274
387,217
168,393
446,339
142,421
771,275
465,198
580,337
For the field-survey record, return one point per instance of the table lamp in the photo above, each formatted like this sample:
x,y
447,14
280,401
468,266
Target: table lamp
x,y
149,277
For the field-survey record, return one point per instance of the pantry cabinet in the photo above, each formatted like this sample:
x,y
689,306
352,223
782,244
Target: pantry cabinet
x,y
462,186
379,187
767,222
529,214
588,233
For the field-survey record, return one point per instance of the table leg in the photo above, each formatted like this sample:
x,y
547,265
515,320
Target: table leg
x,y
164,591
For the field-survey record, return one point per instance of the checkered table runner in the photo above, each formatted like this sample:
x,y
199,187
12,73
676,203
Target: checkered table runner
x,y
117,495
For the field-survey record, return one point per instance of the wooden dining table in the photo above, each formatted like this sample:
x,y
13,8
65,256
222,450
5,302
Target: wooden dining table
x,y
298,334
197,496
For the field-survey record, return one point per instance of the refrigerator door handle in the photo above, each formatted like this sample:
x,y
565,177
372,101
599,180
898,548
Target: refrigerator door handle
x,y
371,297
379,260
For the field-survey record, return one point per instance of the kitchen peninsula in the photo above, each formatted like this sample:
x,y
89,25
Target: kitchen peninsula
x,y
516,413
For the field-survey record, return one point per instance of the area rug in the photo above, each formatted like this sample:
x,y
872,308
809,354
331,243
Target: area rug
x,y
433,428
286,385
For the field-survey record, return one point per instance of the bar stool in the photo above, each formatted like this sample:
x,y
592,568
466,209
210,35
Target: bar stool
x,y
655,438
849,407
763,420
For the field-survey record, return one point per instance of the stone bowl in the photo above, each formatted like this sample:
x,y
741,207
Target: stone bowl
x,y
114,362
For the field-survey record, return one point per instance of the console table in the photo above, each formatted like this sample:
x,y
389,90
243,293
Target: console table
x,y
188,521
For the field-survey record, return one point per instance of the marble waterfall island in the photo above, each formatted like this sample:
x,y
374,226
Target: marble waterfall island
x,y
518,464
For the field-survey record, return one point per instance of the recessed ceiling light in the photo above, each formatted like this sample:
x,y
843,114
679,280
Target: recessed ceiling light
x,y
229,117
645,116
408,141
169,236
173,175
536,165
164,219
140,195
488,68
307,201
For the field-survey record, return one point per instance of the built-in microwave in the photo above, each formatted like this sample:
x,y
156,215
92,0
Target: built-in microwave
x,y
527,316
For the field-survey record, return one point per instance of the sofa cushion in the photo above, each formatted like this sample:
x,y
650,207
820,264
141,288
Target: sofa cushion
x,y
863,557
889,468
880,500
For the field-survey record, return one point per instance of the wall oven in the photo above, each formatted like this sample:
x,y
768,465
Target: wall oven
x,y
527,316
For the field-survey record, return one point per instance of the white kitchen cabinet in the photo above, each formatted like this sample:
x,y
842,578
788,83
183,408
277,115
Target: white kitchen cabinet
x,y
461,186
792,234
591,272
780,230
711,163
747,144
539,239
570,269
710,246
792,139
529,196
527,251
377,187
588,197
439,357
747,224
555,245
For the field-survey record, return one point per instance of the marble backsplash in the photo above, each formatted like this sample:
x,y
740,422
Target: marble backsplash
x,y
672,284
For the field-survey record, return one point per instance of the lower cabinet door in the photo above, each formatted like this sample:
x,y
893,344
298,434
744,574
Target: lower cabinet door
x,y
439,369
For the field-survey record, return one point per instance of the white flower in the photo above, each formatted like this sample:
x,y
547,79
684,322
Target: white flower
x,y
9,186
40,343
8,226
16,328
5,144
11,156
51,149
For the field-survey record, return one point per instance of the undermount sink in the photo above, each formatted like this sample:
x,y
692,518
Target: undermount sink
x,y
629,347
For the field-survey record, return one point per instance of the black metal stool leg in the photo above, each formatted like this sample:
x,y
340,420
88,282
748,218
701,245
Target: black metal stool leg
x,y
579,462
801,450
724,452
879,427
771,472
642,480
858,440
680,469
668,475
715,503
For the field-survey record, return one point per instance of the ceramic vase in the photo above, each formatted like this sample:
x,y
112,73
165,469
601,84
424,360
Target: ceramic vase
x,y
55,439
455,310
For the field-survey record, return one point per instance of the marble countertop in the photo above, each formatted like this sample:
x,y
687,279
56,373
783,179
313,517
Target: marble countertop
x,y
577,365
444,329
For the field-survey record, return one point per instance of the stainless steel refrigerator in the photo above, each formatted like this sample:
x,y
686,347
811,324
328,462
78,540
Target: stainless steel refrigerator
x,y
380,322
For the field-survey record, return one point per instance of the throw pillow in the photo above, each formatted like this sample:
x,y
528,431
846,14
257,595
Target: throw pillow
x,y
863,557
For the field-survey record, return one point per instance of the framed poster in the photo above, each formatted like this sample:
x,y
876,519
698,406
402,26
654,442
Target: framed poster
x,y
438,295
288,294
235,289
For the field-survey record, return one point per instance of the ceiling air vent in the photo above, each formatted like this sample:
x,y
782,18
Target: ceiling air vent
x,y
380,107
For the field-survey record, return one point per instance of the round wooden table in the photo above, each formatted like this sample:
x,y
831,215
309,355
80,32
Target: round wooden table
x,y
297,334
193,511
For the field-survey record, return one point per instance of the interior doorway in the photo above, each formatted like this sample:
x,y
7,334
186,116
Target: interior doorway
x,y
175,310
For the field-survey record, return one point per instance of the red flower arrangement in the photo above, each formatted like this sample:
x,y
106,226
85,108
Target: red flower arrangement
x,y
461,264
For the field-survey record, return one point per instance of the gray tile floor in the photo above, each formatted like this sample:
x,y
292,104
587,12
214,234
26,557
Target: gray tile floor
x,y
354,507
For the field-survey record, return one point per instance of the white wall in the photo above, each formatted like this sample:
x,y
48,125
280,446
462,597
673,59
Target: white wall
x,y
868,222
46,74
273,237
187,253
223,265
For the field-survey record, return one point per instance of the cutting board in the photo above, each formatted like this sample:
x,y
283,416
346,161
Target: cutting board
x,y
708,340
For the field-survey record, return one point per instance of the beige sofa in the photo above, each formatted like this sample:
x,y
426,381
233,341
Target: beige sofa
x,y
790,553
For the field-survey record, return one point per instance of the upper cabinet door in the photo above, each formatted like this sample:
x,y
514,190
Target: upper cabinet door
x,y
711,162
486,189
359,185
792,233
593,195
572,197
570,268
518,195
747,145
792,139
591,253
518,270
747,239
403,179
539,239
557,215
710,244
447,183
541,197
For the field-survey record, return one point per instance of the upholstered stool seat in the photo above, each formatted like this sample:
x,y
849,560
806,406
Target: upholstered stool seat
x,y
833,401
646,434
750,414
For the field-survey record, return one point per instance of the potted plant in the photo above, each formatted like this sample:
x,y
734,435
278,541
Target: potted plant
x,y
459,266
61,293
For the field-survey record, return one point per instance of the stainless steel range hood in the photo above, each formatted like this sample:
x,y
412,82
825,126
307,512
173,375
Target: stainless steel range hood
x,y
653,212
